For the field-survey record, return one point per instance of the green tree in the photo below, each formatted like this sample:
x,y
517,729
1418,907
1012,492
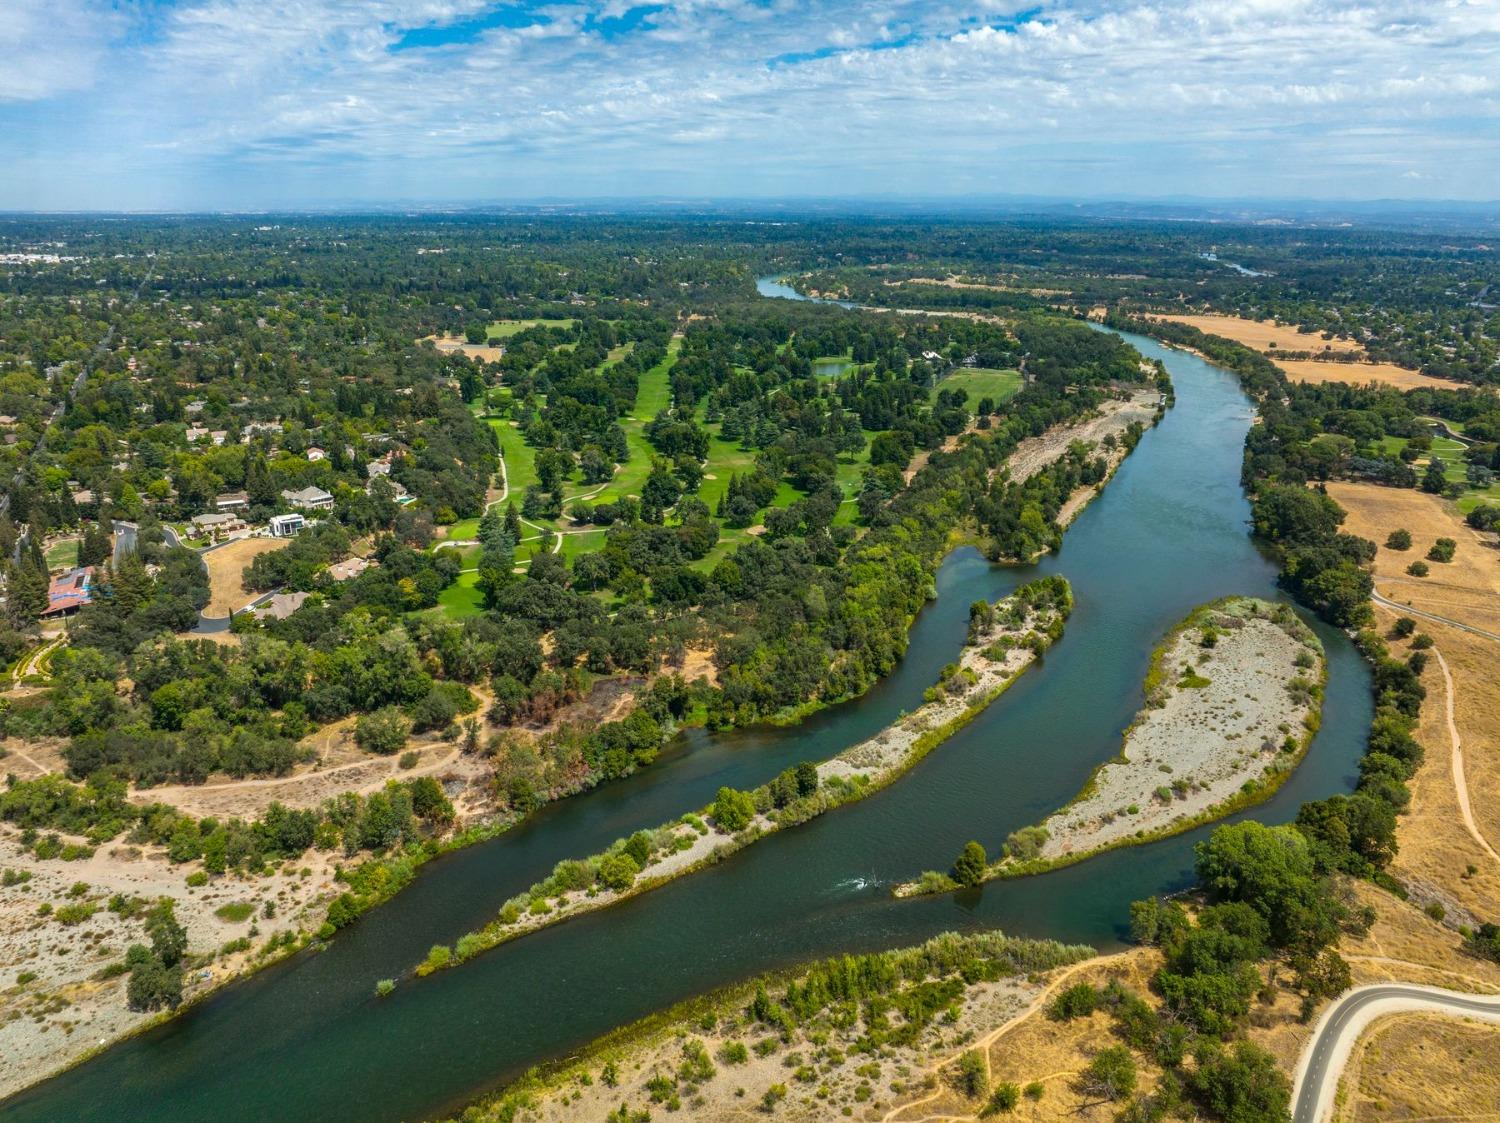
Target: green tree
x,y
1111,1074
733,810
970,866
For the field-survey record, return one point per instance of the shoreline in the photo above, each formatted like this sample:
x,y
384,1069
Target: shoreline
x,y
1257,783
996,654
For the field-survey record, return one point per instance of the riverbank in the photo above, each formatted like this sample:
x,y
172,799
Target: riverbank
x,y
1004,640
1233,697
780,1043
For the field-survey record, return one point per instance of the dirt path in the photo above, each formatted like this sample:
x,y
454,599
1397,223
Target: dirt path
x,y
1460,786
40,771
983,1045
303,789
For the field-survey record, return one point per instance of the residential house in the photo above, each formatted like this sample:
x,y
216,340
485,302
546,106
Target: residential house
x,y
218,524
315,454
282,605
308,498
70,591
349,568
232,501
287,526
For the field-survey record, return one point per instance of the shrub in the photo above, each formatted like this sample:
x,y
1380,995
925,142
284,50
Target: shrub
x,y
969,1075
734,1053
1076,1001
1417,569
409,759
76,913
1004,1099
1442,550
1398,540
438,957
235,912
1025,844
384,987
617,871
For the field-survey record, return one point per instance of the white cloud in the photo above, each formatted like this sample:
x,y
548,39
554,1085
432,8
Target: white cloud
x,y
49,47
834,97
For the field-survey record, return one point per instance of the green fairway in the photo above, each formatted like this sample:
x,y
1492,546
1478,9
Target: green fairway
x,y
504,329
461,598
982,382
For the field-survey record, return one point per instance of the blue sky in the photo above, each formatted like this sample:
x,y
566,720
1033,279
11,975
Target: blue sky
x,y
245,104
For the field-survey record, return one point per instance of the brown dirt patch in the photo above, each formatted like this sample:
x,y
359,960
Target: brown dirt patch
x,y
226,567
1423,1066
449,344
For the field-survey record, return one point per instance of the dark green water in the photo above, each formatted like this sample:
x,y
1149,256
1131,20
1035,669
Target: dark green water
x,y
308,1041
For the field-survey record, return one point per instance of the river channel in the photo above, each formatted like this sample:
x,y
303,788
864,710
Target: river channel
x,y
307,1040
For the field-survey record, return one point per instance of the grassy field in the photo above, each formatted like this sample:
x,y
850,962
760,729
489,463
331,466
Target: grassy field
x,y
982,382
504,329
63,555
461,598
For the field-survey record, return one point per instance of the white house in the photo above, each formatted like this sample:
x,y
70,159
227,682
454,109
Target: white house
x,y
315,454
287,526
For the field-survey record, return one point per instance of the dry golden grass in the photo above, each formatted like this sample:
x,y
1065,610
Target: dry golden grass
x,y
1436,850
1423,1066
1267,335
226,566
1387,374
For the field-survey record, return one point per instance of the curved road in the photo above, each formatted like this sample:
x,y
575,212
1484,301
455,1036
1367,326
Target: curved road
x,y
1325,1055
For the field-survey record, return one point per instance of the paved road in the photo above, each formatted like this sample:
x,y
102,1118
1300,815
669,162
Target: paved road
x,y
1325,1055
1408,610
124,539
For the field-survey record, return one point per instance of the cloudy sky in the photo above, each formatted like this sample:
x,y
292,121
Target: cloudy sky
x,y
264,103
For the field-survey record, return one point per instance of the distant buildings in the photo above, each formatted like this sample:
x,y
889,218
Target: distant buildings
x,y
232,501
70,591
308,499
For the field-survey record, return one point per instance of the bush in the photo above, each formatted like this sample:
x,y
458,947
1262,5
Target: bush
x,y
77,913
1398,540
384,987
1442,550
734,1053
1417,569
438,957
969,1075
1004,1099
1076,1001
235,912
618,871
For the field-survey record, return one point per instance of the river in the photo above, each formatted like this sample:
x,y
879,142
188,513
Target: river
x,y
307,1040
